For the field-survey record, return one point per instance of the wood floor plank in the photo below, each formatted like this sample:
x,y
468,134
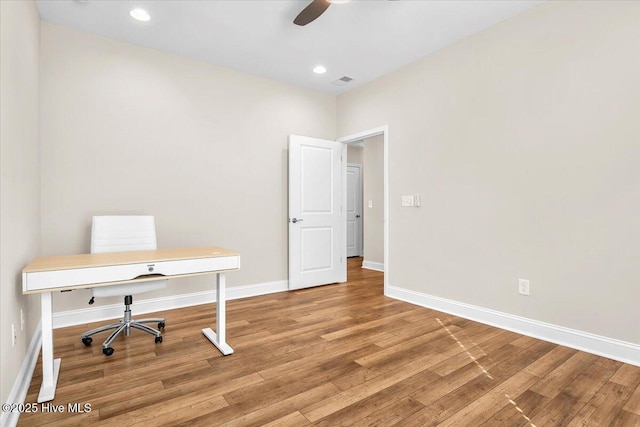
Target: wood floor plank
x,y
604,407
564,374
627,375
375,385
626,419
431,392
162,414
566,404
72,420
633,403
489,346
550,361
300,366
379,401
444,401
424,343
285,385
293,419
391,414
521,411
271,413
341,354
490,403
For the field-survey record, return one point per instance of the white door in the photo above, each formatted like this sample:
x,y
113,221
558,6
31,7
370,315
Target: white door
x,y
316,219
354,210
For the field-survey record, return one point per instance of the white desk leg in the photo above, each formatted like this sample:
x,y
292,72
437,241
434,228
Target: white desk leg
x,y
50,367
219,339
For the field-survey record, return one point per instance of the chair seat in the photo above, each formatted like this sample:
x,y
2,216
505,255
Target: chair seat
x,y
128,288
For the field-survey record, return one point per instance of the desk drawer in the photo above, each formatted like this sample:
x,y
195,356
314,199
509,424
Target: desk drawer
x,y
39,280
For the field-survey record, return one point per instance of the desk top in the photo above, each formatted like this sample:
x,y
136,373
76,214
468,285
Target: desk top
x,y
68,262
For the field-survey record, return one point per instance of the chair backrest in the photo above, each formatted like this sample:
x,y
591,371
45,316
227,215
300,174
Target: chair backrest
x,y
121,233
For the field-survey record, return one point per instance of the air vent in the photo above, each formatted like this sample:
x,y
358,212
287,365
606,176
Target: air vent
x,y
342,81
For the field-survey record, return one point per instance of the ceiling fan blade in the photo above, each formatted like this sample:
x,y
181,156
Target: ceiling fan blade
x,y
311,12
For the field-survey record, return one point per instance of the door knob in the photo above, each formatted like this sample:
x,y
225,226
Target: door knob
x,y
294,220
357,216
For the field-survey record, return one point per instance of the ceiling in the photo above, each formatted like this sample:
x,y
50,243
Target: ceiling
x,y
360,39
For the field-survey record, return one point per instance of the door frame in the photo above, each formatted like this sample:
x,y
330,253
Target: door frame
x,y
384,131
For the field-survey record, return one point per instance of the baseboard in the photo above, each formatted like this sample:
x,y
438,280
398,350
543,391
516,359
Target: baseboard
x,y
373,265
96,314
602,346
23,380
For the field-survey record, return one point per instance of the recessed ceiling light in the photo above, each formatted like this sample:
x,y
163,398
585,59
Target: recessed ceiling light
x,y
319,69
339,1
140,14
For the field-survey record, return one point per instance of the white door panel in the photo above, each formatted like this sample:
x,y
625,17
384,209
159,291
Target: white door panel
x,y
317,248
316,220
316,185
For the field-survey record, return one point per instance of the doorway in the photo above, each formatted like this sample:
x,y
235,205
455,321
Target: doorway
x,y
354,208
374,203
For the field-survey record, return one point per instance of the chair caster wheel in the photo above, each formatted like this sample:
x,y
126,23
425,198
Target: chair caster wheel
x,y
107,351
161,325
87,341
158,340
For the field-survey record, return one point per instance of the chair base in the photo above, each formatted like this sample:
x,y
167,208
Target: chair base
x,y
125,325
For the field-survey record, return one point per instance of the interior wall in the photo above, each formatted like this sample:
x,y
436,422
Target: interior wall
x,y
355,155
373,190
20,183
522,141
131,130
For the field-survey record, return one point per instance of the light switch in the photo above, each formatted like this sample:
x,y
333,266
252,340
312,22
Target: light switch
x,y
370,203
407,201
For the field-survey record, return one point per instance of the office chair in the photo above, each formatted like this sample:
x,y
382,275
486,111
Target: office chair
x,y
121,234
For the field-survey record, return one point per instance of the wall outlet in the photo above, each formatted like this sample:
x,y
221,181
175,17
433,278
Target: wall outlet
x,y
523,286
13,335
370,203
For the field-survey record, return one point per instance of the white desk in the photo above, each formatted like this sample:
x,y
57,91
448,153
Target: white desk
x,y
46,275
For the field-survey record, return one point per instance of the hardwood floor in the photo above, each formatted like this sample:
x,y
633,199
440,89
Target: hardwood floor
x,y
336,355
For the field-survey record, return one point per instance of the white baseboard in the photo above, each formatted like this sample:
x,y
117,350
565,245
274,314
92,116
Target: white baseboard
x,y
112,311
373,265
602,346
23,380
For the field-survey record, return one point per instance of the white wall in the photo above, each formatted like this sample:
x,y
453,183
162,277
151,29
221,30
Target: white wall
x,y
523,142
20,183
127,129
355,155
373,190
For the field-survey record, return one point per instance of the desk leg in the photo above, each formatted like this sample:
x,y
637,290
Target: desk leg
x,y
50,367
219,339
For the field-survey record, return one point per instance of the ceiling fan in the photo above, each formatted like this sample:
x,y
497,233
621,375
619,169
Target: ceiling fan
x,y
314,10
